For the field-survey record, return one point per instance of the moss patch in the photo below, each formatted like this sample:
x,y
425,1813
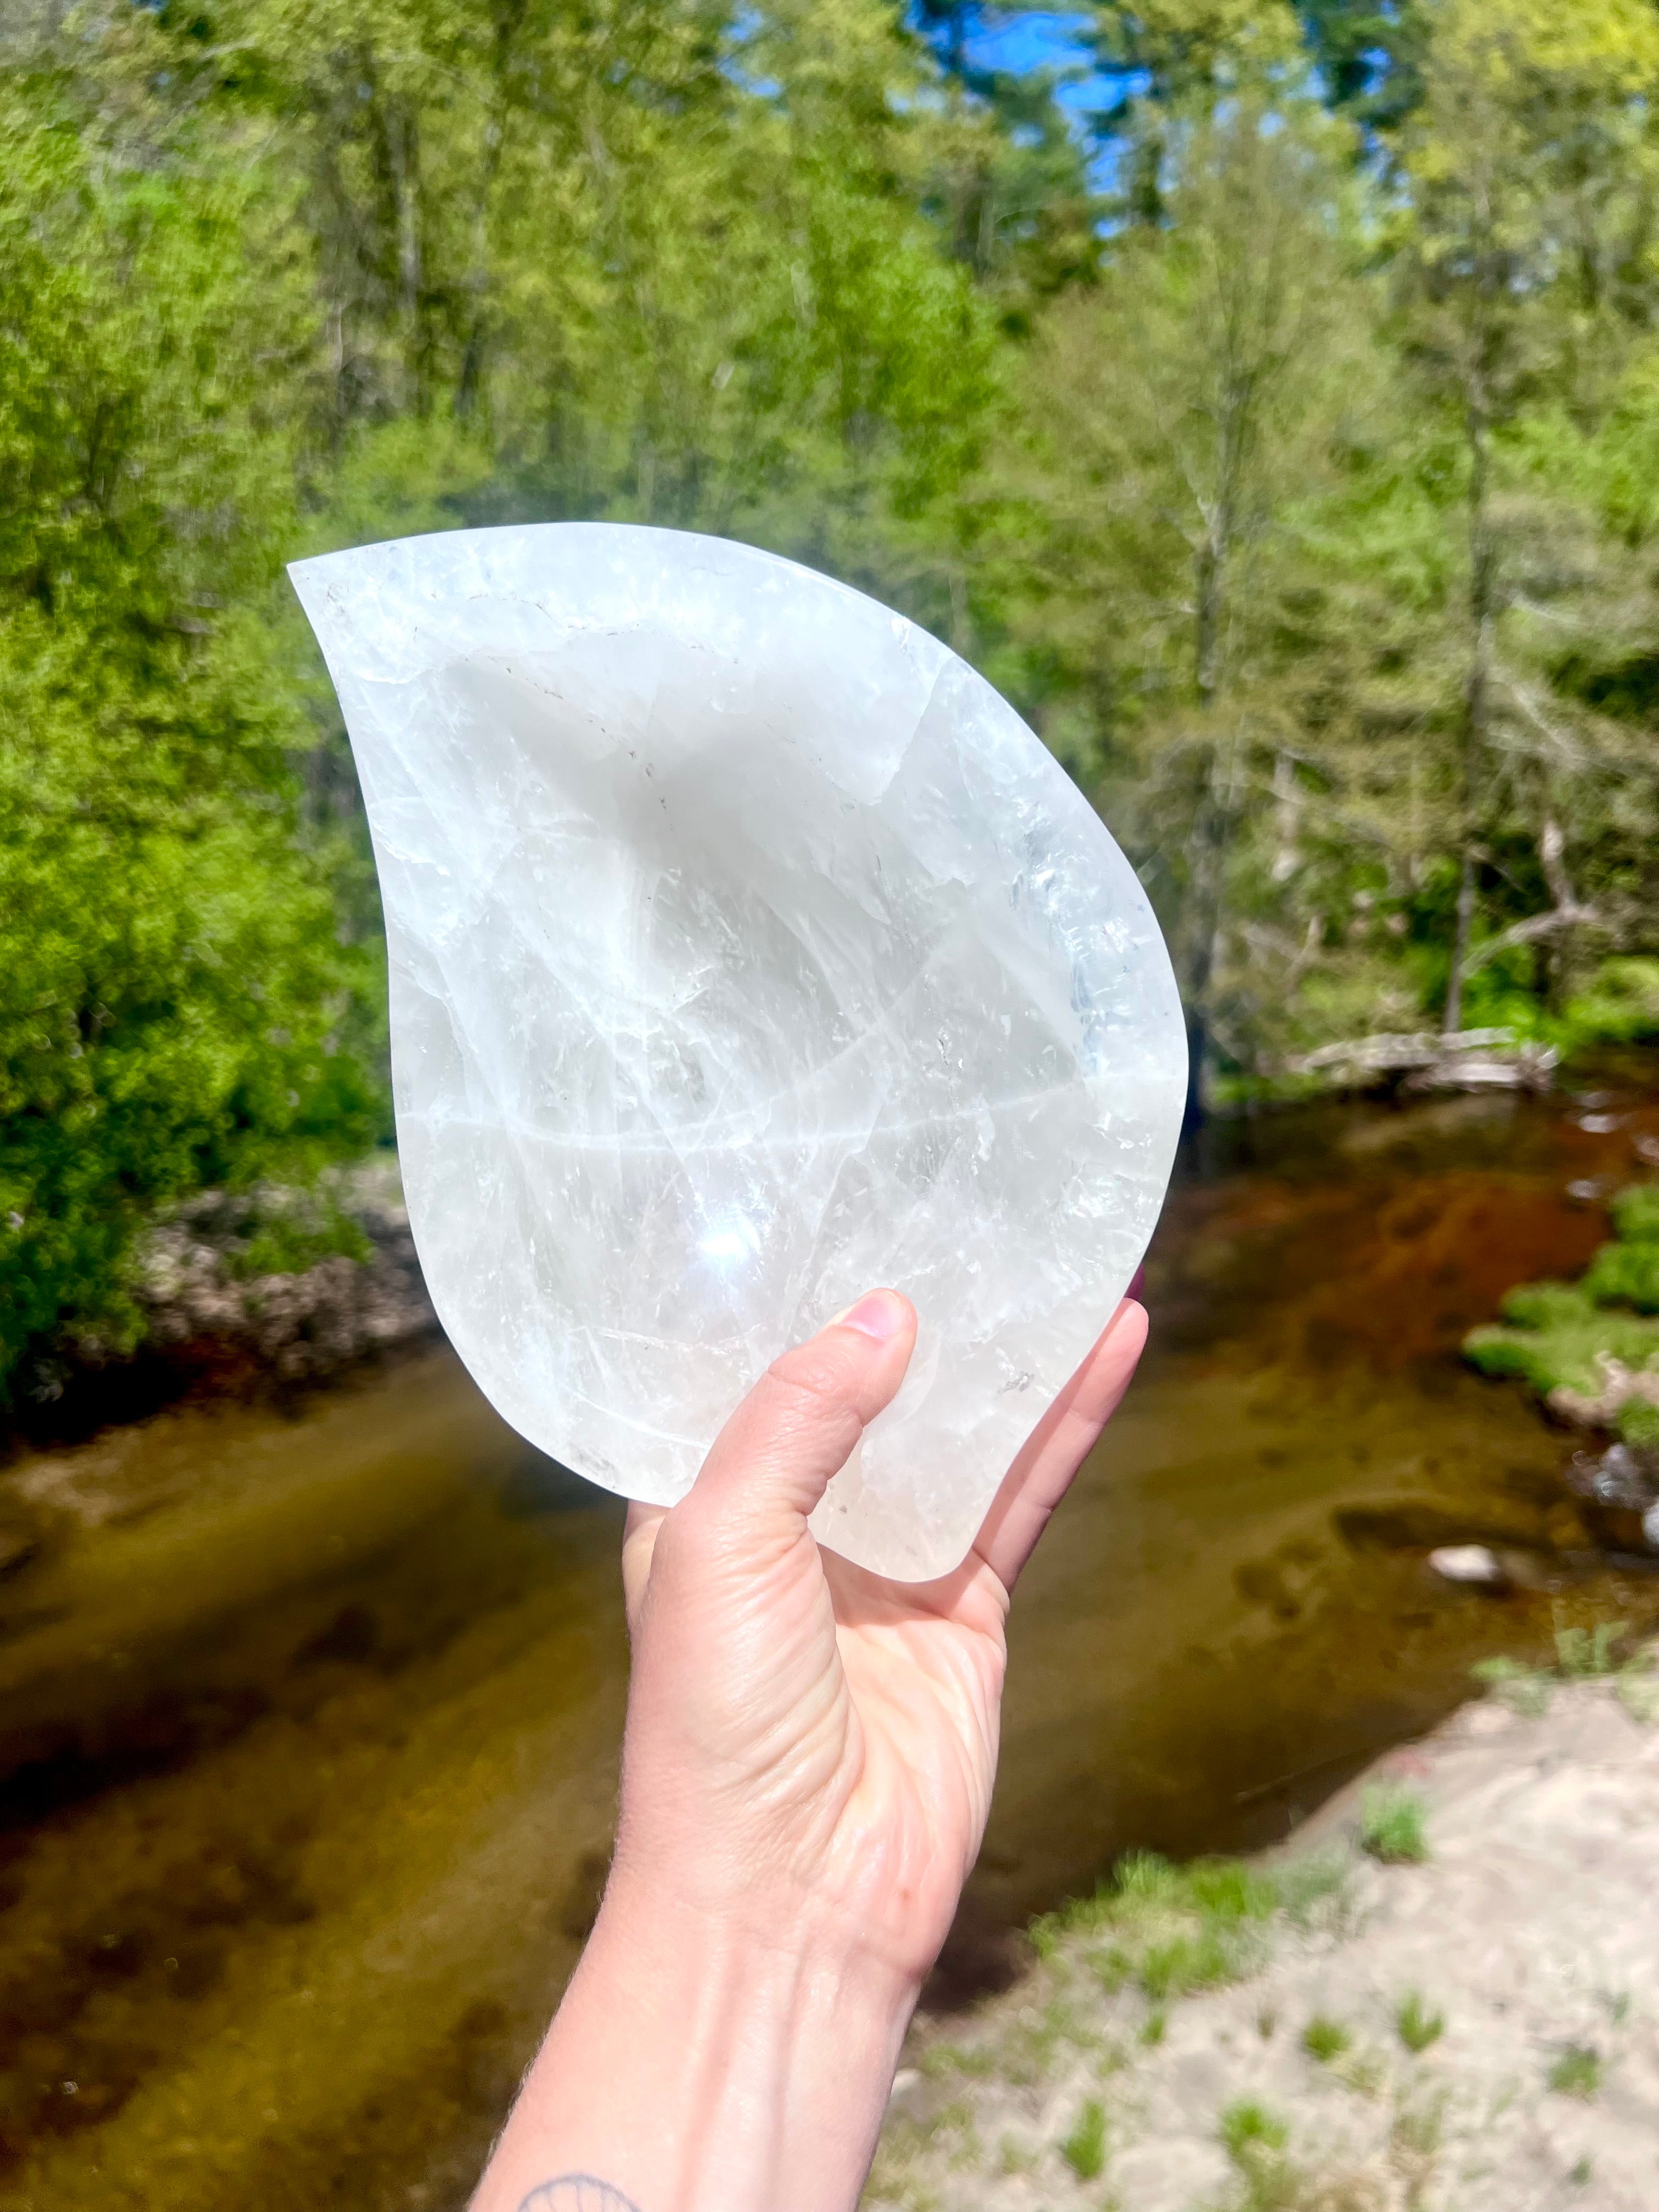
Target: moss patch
x,y
1591,1347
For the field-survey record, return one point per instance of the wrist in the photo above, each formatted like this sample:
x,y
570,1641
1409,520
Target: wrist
x,y
703,2060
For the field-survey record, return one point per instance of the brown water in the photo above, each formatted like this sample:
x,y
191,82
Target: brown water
x,y
309,1723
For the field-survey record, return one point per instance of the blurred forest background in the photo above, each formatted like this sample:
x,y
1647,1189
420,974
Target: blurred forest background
x,y
1266,397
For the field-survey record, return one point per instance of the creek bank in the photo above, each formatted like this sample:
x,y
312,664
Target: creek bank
x,y
1464,2015
242,1292
201,1280
1589,1350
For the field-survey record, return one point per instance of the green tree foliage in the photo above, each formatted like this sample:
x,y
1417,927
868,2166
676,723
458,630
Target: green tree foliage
x,y
1282,436
1325,548
276,277
1189,422
1370,55
173,987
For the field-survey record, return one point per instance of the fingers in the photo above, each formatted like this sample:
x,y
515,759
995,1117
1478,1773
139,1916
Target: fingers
x,y
772,1460
639,1543
1040,1476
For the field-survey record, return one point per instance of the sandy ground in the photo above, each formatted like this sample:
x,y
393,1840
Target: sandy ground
x,y
1530,1932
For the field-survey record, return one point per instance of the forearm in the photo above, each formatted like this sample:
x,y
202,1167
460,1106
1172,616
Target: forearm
x,y
698,2067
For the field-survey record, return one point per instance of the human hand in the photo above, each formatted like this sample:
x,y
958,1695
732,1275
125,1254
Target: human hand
x,y
807,1773
811,1745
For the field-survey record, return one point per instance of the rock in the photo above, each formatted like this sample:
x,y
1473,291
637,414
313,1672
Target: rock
x,y
1468,1563
1619,1476
300,1326
747,952
1618,1486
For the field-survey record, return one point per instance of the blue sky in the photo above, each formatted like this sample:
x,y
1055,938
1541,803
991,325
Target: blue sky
x,y
1041,38
1023,41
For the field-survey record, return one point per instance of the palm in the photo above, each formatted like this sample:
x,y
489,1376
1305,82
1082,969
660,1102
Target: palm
x,y
924,1666
837,1730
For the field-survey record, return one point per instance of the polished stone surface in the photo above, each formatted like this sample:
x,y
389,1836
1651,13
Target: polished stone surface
x,y
747,951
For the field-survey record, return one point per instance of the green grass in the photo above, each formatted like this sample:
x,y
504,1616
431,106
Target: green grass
x,y
1025,2050
1255,2139
1582,1655
293,1234
1306,1884
1247,2126
1393,1826
1577,2073
1524,1689
1169,1930
1418,2131
940,2059
1415,2024
1084,2149
1325,2040
1585,1655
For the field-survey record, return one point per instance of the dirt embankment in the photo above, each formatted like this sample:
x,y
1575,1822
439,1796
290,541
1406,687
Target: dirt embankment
x,y
1443,1998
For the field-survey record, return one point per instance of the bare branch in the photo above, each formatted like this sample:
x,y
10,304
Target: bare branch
x,y
1531,931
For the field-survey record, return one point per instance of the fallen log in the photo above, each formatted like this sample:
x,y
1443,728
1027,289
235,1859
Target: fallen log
x,y
1429,1060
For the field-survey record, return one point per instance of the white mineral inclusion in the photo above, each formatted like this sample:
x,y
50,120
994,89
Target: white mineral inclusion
x,y
747,952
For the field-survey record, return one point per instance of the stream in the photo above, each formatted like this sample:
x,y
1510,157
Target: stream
x,y
308,1717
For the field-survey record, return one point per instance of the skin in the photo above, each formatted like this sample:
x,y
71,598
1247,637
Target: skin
x,y
807,1769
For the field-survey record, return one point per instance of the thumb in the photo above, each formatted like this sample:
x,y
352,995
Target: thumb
x,y
772,1460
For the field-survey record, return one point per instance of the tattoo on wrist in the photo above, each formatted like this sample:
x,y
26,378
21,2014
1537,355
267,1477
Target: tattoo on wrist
x,y
577,2192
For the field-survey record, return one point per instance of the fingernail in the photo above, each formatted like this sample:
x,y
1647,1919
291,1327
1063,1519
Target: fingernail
x,y
879,1315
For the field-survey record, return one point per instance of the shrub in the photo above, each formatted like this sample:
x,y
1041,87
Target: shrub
x,y
177,1007
1621,1005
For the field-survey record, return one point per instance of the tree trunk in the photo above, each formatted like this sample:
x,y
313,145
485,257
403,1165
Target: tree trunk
x,y
1198,1053
1211,833
1453,1019
472,358
1211,581
1213,825
405,183
1476,693
1287,817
